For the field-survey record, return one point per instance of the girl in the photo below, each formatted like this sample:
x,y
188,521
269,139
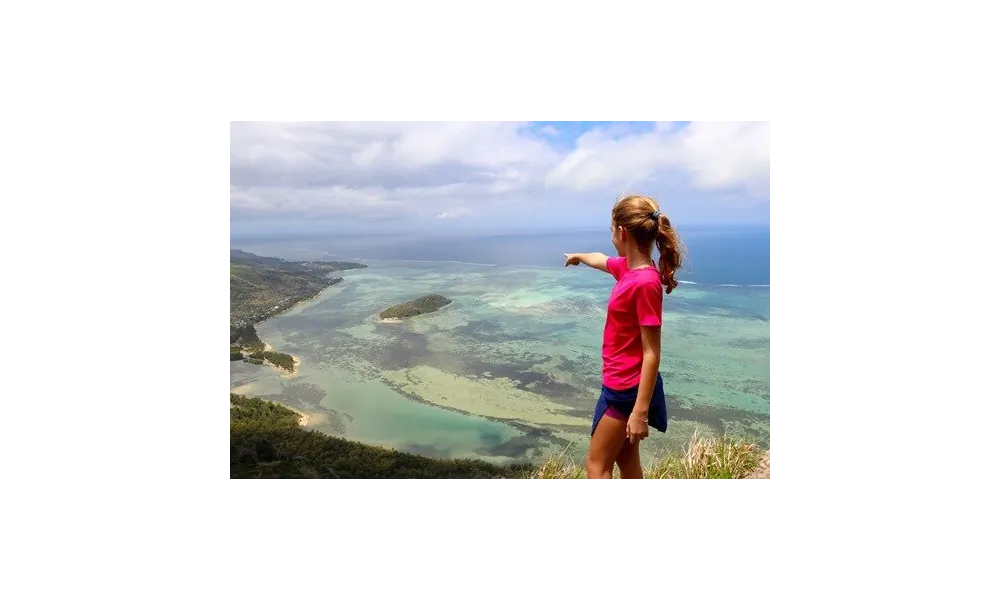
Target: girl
x,y
632,392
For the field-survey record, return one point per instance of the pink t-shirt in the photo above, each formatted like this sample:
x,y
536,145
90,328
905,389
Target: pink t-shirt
x,y
636,300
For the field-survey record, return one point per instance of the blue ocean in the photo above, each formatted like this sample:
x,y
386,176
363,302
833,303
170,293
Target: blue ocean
x,y
510,370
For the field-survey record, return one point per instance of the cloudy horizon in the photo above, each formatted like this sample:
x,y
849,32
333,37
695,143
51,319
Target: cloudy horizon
x,y
420,177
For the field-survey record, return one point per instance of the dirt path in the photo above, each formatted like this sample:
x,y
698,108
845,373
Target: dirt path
x,y
764,470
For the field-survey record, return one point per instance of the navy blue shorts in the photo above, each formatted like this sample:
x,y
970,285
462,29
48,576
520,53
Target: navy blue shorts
x,y
623,401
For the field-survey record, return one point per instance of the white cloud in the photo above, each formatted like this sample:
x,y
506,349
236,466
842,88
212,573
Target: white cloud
x,y
717,156
454,214
398,170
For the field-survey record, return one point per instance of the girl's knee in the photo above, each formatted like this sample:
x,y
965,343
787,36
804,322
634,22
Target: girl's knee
x,y
597,469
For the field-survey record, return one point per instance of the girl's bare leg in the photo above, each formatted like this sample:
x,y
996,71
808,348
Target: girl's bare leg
x,y
605,446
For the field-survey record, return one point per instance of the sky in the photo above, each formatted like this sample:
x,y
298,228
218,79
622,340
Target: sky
x,y
369,178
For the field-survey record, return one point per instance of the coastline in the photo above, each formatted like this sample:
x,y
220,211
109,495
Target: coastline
x,y
303,417
296,361
306,418
436,388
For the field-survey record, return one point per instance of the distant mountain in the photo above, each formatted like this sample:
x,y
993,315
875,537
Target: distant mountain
x,y
245,258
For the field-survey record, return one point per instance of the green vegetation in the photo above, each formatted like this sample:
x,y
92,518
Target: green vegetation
x,y
261,287
422,305
245,340
704,458
280,359
265,441
257,355
246,336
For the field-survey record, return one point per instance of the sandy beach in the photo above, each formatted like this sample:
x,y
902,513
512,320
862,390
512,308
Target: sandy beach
x,y
313,418
308,418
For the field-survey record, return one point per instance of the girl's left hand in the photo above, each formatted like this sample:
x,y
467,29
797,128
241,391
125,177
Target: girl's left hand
x,y
636,429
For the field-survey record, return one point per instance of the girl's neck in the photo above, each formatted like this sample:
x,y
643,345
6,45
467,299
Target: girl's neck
x,y
637,258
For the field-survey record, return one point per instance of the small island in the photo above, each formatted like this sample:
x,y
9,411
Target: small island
x,y
420,306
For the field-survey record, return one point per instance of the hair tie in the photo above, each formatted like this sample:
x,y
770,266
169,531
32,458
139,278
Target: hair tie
x,y
656,215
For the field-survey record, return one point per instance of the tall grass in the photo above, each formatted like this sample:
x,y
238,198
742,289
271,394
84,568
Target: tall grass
x,y
704,458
